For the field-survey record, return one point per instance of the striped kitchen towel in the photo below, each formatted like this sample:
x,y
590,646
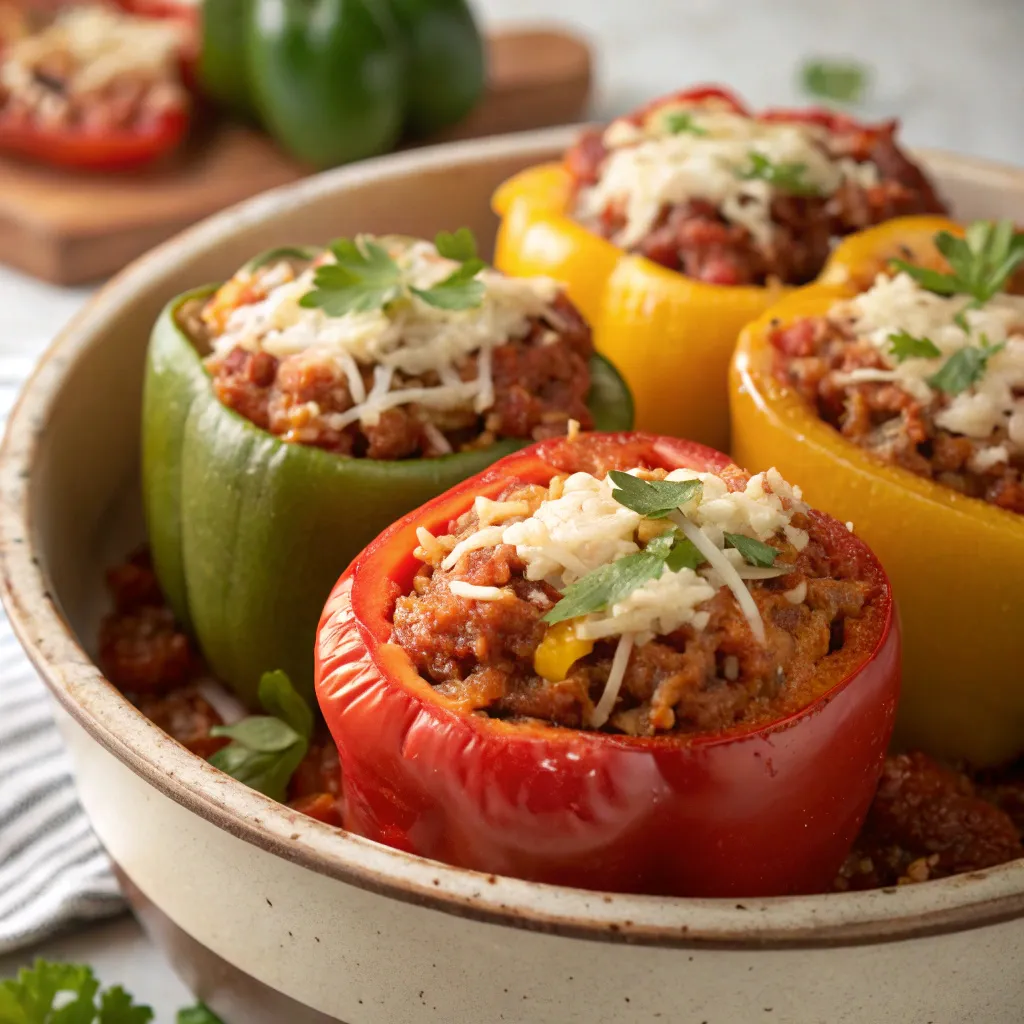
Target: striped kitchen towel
x,y
53,871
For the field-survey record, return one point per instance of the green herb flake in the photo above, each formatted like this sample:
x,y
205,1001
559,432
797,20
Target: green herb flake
x,y
841,81
198,1014
680,122
753,551
980,263
786,177
903,346
653,499
266,749
606,586
61,993
964,368
684,555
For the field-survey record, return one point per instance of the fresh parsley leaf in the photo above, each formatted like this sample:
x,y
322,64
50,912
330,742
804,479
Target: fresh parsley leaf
x,y
964,368
842,81
753,551
653,499
606,585
684,555
460,290
980,263
678,122
265,750
903,345
459,245
787,177
279,698
364,278
60,993
198,1014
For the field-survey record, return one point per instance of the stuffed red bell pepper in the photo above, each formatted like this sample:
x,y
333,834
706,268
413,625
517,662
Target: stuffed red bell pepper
x,y
618,662
94,89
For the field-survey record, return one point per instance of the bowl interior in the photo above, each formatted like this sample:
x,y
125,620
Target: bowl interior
x,y
69,474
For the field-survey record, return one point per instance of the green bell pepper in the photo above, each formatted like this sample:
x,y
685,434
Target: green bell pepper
x,y
446,62
327,77
223,61
249,533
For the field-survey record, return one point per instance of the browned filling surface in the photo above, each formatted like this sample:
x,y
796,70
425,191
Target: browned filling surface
x,y
819,618
927,820
695,239
541,382
812,356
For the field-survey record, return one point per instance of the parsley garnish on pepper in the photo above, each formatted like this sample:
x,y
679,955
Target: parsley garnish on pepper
x,y
266,749
903,345
980,265
679,122
786,177
964,368
653,499
365,277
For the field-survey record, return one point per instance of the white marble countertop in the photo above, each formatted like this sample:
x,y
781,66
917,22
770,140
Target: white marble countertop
x,y
952,71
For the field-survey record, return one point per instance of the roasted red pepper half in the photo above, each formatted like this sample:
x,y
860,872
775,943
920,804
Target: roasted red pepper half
x,y
764,811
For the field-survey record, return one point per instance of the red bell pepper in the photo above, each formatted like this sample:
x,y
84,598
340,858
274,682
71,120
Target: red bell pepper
x,y
755,812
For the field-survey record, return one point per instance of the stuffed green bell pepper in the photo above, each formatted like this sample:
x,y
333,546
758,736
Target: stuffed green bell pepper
x,y
294,411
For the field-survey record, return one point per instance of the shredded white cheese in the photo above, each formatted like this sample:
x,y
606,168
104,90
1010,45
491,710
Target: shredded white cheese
x,y
101,45
409,337
584,528
649,168
992,409
475,593
617,672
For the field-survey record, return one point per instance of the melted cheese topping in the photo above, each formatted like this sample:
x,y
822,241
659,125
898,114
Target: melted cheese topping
x,y
408,337
584,528
648,168
101,45
991,409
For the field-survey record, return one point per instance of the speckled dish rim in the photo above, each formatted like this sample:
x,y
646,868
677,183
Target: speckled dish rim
x,y
954,904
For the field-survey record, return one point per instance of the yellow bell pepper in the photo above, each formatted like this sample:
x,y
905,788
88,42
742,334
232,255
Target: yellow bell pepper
x,y
671,337
956,563
559,651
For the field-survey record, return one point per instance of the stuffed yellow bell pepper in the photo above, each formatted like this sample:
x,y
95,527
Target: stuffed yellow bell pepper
x,y
677,225
893,387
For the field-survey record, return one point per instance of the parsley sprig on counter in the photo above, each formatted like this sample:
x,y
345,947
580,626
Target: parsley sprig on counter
x,y
61,993
365,277
786,177
981,263
266,749
841,81
653,499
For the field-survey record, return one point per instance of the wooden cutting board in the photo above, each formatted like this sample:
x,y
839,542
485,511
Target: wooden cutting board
x,y
73,228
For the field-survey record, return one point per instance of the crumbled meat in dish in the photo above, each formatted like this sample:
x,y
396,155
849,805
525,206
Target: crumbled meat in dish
x,y
475,627
405,381
928,821
678,184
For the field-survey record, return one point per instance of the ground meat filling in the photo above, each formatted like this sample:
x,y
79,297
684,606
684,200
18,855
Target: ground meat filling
x,y
539,381
695,234
822,357
92,69
928,821
481,653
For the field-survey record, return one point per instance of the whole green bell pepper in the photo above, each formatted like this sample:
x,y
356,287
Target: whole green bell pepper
x,y
446,62
327,77
223,58
249,533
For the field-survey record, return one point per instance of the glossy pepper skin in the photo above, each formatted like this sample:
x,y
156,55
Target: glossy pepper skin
x,y
327,77
765,812
670,336
445,71
248,533
963,636
223,68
